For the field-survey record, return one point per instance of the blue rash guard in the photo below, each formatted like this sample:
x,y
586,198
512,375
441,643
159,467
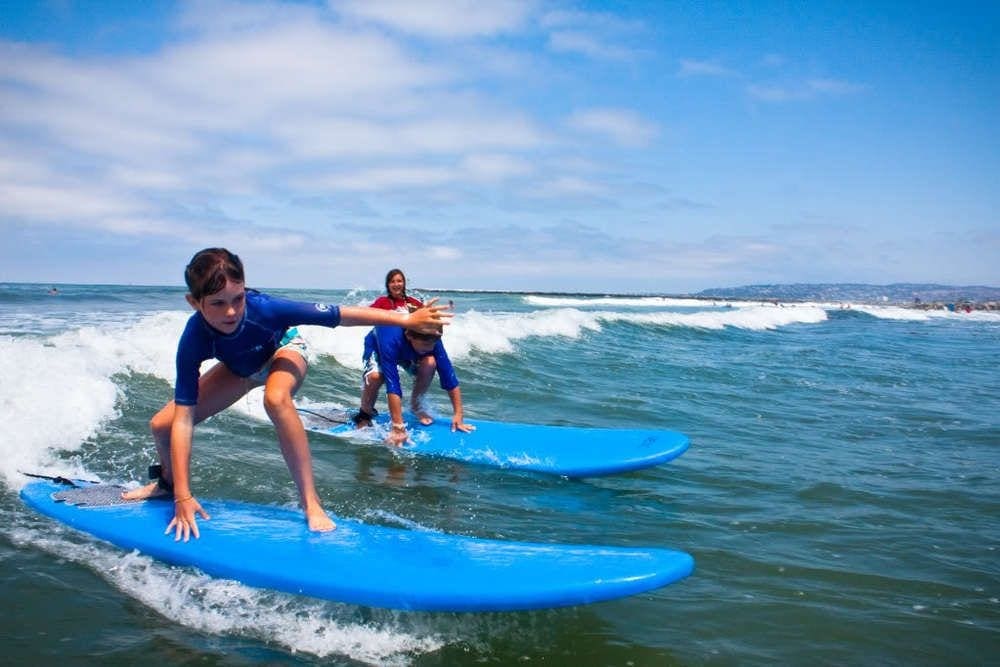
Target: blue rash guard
x,y
393,349
246,350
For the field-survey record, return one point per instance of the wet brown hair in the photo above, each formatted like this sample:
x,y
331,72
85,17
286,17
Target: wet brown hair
x,y
429,337
210,269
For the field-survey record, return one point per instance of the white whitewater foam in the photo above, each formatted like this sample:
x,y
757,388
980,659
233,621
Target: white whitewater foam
x,y
624,301
58,391
490,333
226,607
920,315
753,318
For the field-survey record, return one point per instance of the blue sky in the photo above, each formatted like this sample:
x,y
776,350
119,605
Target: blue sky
x,y
516,145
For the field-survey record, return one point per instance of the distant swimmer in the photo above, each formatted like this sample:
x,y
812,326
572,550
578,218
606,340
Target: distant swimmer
x,y
54,291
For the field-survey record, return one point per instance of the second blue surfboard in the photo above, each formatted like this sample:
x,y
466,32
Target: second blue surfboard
x,y
559,450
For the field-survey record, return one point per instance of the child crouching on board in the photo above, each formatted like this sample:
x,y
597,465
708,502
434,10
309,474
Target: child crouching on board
x,y
252,335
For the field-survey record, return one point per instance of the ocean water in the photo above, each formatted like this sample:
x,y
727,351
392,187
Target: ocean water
x,y
840,497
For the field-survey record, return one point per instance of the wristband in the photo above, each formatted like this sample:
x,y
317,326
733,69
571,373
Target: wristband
x,y
398,426
185,498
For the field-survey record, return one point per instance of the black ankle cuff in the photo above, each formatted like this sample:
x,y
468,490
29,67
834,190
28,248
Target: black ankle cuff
x,y
156,472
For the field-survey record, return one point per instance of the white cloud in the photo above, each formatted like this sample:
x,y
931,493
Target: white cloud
x,y
597,35
442,253
602,22
703,68
63,201
146,179
215,18
776,93
250,97
573,41
835,86
625,127
495,167
453,130
572,186
440,18
306,65
385,178
135,226
454,134
801,91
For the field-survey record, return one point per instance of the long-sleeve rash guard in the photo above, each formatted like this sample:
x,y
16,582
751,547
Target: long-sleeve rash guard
x,y
246,350
393,348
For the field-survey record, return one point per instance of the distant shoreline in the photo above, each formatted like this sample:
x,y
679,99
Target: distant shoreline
x,y
915,303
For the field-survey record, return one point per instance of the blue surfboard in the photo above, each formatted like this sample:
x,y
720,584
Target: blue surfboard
x,y
559,450
271,547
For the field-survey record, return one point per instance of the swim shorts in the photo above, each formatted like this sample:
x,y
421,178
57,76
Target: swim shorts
x,y
292,341
370,365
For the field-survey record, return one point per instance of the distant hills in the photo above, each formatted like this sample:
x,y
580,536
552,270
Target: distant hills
x,y
835,292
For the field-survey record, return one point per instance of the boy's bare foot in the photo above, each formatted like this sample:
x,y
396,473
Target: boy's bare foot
x,y
319,522
422,417
151,490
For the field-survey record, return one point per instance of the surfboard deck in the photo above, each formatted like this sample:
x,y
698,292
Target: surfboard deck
x,y
270,547
560,450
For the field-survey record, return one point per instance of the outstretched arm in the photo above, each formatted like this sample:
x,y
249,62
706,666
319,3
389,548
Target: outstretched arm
x,y
424,320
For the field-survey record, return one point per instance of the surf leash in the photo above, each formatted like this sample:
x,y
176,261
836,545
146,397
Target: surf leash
x,y
324,417
58,479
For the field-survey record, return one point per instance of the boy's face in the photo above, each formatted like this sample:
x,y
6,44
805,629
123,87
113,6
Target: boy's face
x,y
421,345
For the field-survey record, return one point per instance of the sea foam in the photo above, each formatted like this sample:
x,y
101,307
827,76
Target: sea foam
x,y
59,390
226,607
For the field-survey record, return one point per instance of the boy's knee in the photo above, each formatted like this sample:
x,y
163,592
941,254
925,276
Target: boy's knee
x,y
276,400
159,425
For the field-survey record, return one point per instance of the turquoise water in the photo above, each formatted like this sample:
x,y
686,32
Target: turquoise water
x,y
840,496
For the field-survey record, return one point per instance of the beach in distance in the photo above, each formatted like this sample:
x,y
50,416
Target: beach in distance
x,y
927,296
839,496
